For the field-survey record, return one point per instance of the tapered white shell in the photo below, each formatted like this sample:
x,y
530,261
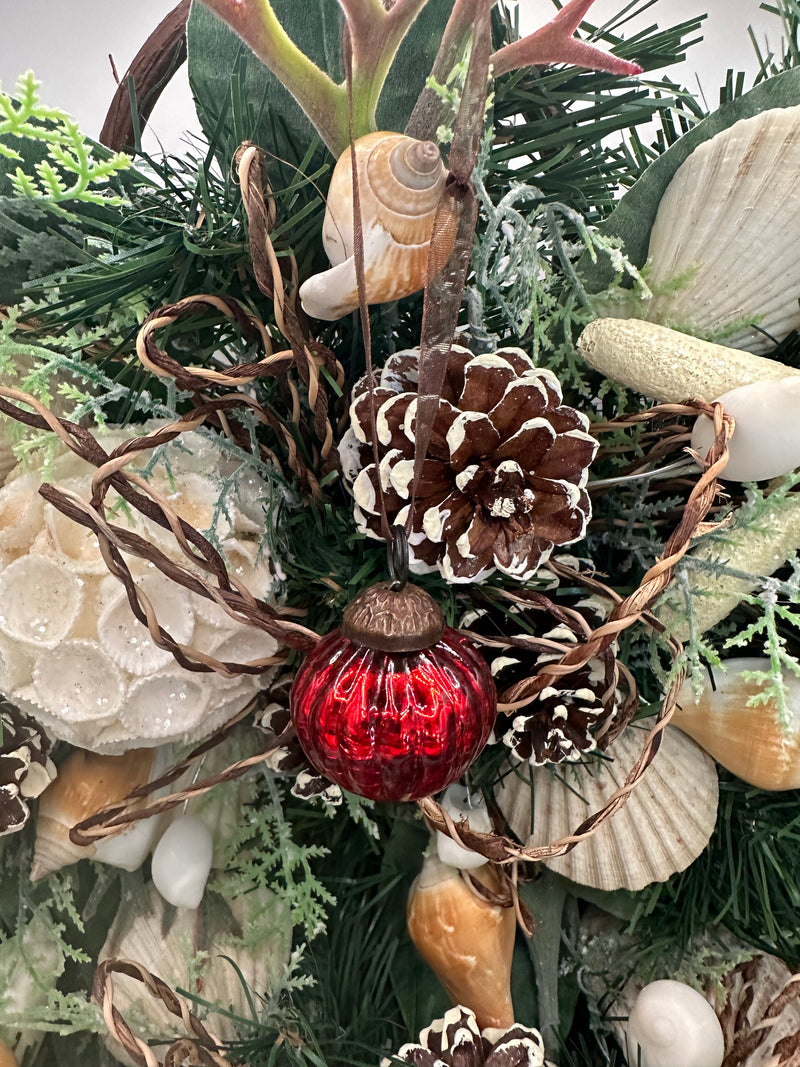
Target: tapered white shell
x,y
87,782
400,183
462,806
749,740
664,826
766,443
671,1024
723,248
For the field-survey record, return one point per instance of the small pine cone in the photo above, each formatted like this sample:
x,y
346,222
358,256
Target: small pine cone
x,y
26,769
504,478
456,1041
290,759
567,720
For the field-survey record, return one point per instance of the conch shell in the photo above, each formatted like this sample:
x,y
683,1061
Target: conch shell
x,y
751,742
467,942
87,782
400,183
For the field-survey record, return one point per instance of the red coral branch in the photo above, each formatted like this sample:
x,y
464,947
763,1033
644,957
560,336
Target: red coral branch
x,y
555,43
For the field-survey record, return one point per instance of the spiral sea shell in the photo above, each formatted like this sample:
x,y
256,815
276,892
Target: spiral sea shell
x,y
672,1023
400,183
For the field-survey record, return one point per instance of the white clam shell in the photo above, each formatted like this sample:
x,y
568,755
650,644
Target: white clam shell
x,y
664,826
723,248
460,805
39,601
182,861
671,1024
766,442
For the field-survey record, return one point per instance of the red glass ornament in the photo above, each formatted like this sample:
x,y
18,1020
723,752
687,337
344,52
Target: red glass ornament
x,y
393,725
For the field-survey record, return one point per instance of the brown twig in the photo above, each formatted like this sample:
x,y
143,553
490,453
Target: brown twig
x,y
206,1049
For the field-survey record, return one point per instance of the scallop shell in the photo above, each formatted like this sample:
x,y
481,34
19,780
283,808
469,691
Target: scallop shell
x,y
723,248
750,741
400,183
86,782
664,826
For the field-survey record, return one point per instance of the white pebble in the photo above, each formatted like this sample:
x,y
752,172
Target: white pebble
x,y
182,862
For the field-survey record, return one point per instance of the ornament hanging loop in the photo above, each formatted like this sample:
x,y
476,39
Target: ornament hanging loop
x,y
397,558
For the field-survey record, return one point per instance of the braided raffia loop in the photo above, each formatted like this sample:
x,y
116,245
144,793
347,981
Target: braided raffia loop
x,y
202,1049
122,814
628,611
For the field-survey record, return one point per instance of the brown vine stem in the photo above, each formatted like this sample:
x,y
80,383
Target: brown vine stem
x,y
205,1050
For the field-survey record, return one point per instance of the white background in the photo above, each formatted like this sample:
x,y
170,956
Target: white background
x,y
67,43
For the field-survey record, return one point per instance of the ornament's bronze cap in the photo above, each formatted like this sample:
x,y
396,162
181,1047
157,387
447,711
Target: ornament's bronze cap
x,y
406,620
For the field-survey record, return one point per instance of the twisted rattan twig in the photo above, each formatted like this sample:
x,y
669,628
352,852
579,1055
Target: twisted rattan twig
x,y
626,612
203,1046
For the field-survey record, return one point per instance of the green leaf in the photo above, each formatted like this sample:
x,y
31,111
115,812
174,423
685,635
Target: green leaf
x,y
633,219
262,110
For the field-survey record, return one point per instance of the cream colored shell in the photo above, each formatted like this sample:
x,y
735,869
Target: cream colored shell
x,y
750,741
723,248
400,184
73,655
87,782
664,826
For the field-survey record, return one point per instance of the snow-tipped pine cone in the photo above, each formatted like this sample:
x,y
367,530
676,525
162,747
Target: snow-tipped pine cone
x,y
580,712
503,481
456,1041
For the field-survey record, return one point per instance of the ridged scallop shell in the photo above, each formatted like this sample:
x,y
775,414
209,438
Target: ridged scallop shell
x,y
664,826
723,248
86,782
400,184
749,741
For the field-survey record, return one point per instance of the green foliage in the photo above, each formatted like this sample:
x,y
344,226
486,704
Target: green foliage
x,y
748,878
70,157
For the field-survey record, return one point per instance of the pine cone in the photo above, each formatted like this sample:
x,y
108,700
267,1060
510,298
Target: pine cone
x,y
26,770
568,719
290,759
503,480
456,1041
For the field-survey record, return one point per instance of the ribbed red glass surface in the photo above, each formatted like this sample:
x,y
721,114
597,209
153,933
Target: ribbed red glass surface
x,y
393,726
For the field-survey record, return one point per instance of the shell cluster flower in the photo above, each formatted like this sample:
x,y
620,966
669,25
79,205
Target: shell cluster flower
x,y
73,655
504,479
455,1039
